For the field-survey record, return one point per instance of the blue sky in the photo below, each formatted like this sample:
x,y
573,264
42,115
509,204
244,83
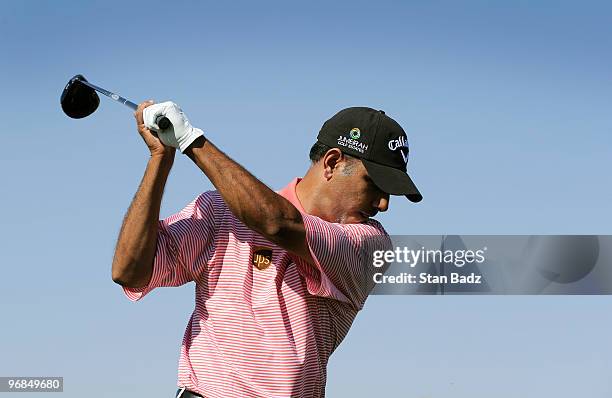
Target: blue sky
x,y
507,110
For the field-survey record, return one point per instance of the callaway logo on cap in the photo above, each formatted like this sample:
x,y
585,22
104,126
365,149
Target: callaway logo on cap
x,y
379,141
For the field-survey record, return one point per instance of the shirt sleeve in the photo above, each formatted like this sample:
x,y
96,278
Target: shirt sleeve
x,y
185,244
343,266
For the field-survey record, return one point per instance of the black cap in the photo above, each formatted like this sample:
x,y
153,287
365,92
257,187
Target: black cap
x,y
379,141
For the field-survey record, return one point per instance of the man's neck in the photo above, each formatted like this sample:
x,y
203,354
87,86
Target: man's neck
x,y
308,192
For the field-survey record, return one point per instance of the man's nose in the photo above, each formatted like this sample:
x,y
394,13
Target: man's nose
x,y
382,204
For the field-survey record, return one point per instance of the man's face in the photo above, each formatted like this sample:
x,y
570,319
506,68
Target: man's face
x,y
354,196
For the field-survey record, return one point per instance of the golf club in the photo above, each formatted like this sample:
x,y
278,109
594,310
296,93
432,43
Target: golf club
x,y
79,100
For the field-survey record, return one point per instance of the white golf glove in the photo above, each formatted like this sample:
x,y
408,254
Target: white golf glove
x,y
180,134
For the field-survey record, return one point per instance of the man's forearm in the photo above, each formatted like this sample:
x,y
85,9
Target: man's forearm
x,y
251,201
135,250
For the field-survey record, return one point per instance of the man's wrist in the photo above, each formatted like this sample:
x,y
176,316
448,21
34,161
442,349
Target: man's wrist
x,y
163,161
195,145
187,140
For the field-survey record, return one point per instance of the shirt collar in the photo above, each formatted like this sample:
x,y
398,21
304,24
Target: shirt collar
x,y
289,193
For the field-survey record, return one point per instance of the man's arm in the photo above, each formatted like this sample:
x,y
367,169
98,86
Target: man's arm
x,y
135,250
251,201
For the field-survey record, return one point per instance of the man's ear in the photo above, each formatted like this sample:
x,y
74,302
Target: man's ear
x,y
331,161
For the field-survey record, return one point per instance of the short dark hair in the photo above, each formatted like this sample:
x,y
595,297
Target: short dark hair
x,y
319,150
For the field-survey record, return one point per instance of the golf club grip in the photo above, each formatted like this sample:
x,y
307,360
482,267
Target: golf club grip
x,y
163,122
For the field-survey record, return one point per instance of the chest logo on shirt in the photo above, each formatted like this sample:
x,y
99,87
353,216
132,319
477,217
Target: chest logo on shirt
x,y
262,257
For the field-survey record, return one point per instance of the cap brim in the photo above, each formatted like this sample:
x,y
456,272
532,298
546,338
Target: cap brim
x,y
392,181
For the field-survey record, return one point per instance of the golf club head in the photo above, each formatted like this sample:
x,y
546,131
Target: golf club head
x,y
78,100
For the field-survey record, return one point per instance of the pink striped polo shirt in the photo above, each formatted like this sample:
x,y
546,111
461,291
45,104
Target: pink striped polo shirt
x,y
267,330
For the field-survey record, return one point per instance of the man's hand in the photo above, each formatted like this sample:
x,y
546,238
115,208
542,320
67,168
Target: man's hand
x,y
156,147
180,134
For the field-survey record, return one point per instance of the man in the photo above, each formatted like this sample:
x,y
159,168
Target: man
x,y
280,276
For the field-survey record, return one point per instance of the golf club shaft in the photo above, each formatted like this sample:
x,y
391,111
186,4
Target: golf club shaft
x,y
161,121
